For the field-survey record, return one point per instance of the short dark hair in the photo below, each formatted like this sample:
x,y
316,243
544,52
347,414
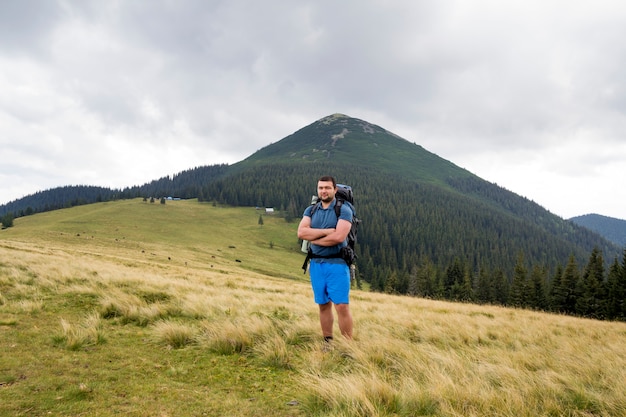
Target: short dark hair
x,y
328,178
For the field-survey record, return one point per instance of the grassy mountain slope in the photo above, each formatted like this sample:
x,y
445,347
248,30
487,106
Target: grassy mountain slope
x,y
201,233
131,308
610,228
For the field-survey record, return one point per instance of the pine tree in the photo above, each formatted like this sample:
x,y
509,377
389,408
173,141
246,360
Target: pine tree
x,y
466,291
484,287
7,220
556,298
428,279
518,295
616,290
453,280
402,285
621,288
592,298
538,288
500,287
391,283
569,280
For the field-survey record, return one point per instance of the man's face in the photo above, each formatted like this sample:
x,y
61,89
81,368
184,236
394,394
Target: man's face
x,y
325,191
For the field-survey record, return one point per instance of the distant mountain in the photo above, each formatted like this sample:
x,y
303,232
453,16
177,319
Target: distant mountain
x,y
420,212
610,228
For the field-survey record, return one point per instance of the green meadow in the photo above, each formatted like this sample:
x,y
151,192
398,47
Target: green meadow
x,y
192,309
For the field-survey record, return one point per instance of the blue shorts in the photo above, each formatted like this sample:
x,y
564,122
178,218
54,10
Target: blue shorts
x,y
330,282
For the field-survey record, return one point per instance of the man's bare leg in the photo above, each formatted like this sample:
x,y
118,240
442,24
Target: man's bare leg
x,y
345,319
326,319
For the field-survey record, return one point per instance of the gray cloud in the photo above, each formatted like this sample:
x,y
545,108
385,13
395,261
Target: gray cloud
x,y
527,94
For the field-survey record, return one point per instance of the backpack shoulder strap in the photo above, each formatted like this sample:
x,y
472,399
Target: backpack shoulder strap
x,y
338,204
315,207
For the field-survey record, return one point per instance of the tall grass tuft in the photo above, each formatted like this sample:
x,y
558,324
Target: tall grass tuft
x,y
77,336
172,334
234,335
128,308
274,352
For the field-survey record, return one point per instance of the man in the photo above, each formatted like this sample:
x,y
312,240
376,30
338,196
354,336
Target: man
x,y
330,275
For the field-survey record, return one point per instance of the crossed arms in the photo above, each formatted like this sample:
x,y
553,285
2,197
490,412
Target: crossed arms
x,y
323,237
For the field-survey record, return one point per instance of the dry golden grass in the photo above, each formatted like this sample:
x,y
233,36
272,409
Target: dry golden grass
x,y
193,338
446,359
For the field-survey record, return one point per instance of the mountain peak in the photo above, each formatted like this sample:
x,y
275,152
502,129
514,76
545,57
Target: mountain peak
x,y
352,141
333,117
339,119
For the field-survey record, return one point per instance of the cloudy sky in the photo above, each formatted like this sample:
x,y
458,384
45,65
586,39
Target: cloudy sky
x,y
529,94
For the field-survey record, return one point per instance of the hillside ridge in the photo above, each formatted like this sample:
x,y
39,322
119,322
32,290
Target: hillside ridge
x,y
610,228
